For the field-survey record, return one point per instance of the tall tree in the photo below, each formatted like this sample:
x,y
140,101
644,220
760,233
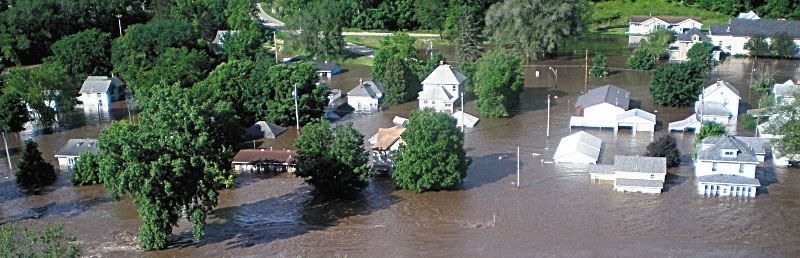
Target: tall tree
x,y
84,53
498,83
535,25
677,85
666,147
13,116
757,45
640,59
227,83
332,160
399,82
398,45
312,96
32,171
469,34
86,171
428,13
599,66
433,156
320,27
176,65
656,43
207,16
783,46
143,43
44,88
702,54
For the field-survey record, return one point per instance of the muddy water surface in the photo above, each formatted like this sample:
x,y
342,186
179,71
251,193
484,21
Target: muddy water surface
x,y
557,210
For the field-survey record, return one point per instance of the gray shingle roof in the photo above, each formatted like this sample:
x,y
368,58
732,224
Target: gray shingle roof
x,y
219,39
580,142
668,19
786,89
637,113
639,183
744,153
687,36
766,27
435,93
607,94
711,89
368,88
758,144
99,84
263,129
445,74
75,147
328,67
712,109
729,179
640,164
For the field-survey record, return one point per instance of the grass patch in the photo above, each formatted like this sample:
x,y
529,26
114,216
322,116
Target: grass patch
x,y
374,41
360,60
617,13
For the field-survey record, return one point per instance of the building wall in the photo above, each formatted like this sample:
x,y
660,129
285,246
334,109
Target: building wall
x,y
735,45
362,103
727,98
726,190
576,158
438,105
636,189
67,162
649,26
602,112
703,168
687,25
93,100
639,175
725,120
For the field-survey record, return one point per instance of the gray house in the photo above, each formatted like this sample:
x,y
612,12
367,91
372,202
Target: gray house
x,y
68,155
328,69
366,96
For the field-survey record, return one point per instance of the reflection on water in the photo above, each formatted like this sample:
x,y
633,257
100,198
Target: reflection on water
x,y
557,210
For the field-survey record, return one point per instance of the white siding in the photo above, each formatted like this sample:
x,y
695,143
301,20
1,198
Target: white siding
x,y
639,175
93,100
438,105
704,168
362,102
602,112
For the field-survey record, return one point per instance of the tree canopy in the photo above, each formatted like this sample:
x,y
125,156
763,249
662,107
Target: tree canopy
x,y
709,129
641,59
703,55
433,156
599,66
667,147
84,53
783,46
143,43
469,35
398,45
332,160
321,24
498,83
13,113
400,84
32,171
86,170
44,89
758,46
677,85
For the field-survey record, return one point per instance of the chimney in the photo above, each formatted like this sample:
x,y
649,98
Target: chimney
x,y
441,62
360,81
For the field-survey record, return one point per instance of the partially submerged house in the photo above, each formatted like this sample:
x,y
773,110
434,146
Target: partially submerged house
x,y
607,107
263,129
718,102
726,166
733,37
383,145
366,96
580,148
643,25
328,69
264,160
679,49
442,89
69,154
97,92
784,93
633,173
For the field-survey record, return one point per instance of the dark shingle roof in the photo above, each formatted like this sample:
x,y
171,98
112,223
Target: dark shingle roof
x,y
744,153
263,129
668,19
687,36
766,27
264,155
75,147
328,66
609,94
368,88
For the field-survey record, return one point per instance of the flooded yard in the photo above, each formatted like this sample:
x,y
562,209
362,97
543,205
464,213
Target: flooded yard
x,y
556,211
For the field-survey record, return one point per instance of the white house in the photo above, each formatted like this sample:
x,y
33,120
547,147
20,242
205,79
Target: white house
x,y
366,96
684,41
726,166
633,173
643,25
97,92
784,92
580,147
384,143
326,69
733,36
264,160
606,107
69,154
441,89
718,102
748,15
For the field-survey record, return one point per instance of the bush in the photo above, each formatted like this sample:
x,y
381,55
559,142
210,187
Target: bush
x,y
25,242
677,85
86,171
599,66
709,129
33,172
749,122
666,147
641,59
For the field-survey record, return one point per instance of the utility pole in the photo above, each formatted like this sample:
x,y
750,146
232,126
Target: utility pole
x,y
586,73
275,41
555,72
8,154
548,115
119,22
296,109
517,166
463,122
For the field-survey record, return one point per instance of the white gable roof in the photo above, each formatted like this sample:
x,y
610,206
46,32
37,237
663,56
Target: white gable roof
x,y
470,120
435,93
720,85
637,116
580,147
445,74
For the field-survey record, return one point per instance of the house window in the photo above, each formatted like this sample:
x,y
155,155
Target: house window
x,y
741,168
425,102
447,104
454,88
652,176
714,166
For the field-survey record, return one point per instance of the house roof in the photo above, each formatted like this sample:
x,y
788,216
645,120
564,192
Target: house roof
x,y
639,183
580,142
436,93
327,66
264,155
752,27
263,129
687,36
636,115
712,109
720,85
758,144
748,15
400,121
386,137
445,75
75,147
470,119
640,164
606,94
728,179
368,88
99,84
786,89
219,39
715,145
601,169
667,19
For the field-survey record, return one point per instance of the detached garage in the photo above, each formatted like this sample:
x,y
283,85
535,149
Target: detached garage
x,y
580,148
637,120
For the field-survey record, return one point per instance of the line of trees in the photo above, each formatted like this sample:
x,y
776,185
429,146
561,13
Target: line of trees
x,y
782,46
765,8
679,84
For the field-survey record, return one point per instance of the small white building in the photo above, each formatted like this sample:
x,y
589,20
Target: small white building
x,y
637,120
264,160
441,89
327,70
633,173
748,15
69,154
464,119
643,25
726,166
580,148
600,107
366,96
679,49
718,103
97,92
733,37
784,93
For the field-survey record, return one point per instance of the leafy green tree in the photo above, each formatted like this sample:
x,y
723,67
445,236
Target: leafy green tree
x,y
677,85
703,54
13,116
399,82
763,86
240,14
32,171
321,27
641,59
657,42
86,171
498,83
52,242
172,164
433,156
599,66
312,96
176,65
530,25
786,9
398,45
428,13
206,16
143,43
709,129
227,83
728,7
332,160
43,88
84,53
243,44
789,144
469,36
666,146
783,46
758,46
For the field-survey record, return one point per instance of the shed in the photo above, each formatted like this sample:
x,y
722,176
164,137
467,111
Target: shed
x,y
262,129
328,69
69,154
469,121
365,96
387,139
638,120
580,147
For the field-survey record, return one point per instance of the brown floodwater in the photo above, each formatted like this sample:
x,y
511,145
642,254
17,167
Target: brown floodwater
x,y
557,210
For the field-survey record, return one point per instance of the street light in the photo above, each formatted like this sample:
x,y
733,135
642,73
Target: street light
x,y
119,22
296,110
555,72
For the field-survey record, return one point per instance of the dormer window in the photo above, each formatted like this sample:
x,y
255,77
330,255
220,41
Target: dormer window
x,y
729,153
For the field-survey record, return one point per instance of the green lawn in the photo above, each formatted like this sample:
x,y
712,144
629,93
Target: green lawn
x,y
612,14
374,41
